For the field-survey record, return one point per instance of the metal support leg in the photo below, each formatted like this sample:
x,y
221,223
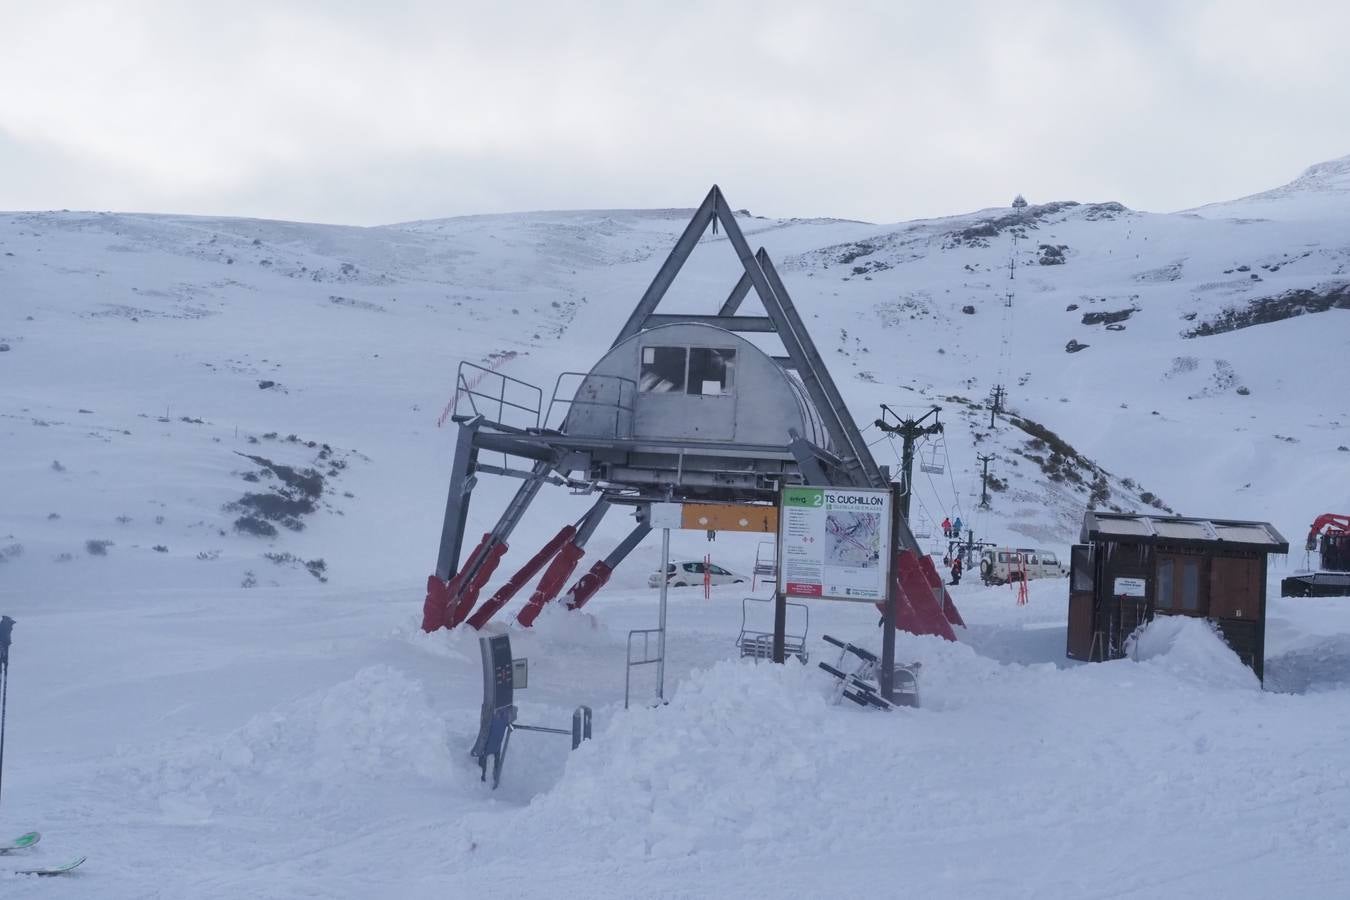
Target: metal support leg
x,y
599,575
480,566
886,678
779,626
517,581
661,625
563,565
457,504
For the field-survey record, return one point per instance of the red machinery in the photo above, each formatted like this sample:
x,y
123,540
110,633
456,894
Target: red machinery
x,y
1333,523
1330,536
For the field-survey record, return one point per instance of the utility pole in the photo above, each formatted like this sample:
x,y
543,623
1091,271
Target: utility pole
x,y
984,480
997,405
910,430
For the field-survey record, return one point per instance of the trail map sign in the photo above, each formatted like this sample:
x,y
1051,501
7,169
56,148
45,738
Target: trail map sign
x,y
834,543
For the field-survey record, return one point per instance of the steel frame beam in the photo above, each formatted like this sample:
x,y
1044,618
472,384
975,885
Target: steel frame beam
x,y
703,217
781,319
737,295
457,503
740,324
813,371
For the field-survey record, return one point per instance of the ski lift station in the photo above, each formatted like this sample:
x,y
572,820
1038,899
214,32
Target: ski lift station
x,y
681,409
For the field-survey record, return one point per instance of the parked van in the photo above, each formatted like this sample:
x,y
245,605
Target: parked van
x,y
1000,565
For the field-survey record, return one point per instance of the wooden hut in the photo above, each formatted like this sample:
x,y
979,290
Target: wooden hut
x,y
1129,568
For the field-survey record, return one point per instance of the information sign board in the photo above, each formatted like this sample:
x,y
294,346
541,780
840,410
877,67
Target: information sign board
x,y
834,543
1129,587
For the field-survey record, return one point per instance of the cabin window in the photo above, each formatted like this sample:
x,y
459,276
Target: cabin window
x,y
662,370
1049,559
710,371
1163,585
1190,585
1081,558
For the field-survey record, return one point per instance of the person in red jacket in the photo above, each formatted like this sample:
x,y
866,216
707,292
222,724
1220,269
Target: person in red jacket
x,y
946,528
956,570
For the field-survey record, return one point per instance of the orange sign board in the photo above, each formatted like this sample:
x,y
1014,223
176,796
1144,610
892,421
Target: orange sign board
x,y
730,517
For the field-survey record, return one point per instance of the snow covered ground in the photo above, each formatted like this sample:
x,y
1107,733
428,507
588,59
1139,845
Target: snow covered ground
x,y
287,743
213,712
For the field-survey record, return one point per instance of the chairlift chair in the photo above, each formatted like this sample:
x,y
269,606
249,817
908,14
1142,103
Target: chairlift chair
x,y
766,563
924,528
932,459
757,644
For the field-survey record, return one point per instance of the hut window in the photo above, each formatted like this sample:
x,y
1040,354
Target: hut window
x,y
710,371
662,370
1081,559
1190,585
1163,584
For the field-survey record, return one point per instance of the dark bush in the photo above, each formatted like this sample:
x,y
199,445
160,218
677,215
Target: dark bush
x,y
255,526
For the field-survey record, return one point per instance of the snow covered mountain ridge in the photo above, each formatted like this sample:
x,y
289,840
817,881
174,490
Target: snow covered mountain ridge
x,y
241,401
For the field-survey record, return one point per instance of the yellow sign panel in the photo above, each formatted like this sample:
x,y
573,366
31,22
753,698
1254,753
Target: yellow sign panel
x,y
730,517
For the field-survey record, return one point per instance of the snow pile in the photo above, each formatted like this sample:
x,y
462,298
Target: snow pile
x,y
726,761
1193,650
377,724
375,727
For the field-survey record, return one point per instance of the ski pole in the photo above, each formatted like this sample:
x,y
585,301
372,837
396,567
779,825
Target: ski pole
x,y
6,630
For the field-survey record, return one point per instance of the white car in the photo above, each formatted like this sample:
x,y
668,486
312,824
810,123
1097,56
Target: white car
x,y
690,572
1000,565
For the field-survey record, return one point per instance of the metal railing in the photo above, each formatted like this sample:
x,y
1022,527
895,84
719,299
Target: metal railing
x,y
646,660
475,396
618,409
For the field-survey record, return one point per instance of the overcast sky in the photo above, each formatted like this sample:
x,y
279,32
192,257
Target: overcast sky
x,y
363,113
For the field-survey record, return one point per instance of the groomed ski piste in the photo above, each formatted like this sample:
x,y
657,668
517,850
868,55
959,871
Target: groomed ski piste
x,y
206,721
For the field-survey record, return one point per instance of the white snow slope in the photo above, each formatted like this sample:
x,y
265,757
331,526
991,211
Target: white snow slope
x,y
213,713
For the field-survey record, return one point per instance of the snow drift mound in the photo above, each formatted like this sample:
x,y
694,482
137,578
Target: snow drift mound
x,y
375,728
376,724
726,763
1190,649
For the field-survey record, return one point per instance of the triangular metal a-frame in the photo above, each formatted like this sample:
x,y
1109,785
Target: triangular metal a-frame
x,y
851,462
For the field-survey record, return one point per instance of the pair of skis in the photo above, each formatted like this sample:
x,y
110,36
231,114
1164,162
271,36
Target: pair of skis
x,y
23,842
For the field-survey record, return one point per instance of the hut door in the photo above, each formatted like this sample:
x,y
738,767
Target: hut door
x,y
1235,588
1081,606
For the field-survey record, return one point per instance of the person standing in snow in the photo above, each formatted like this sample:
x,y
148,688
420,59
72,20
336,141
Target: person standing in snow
x,y
956,570
946,527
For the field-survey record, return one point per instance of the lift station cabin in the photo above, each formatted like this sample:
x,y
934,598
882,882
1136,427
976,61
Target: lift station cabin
x,y
1129,568
682,408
